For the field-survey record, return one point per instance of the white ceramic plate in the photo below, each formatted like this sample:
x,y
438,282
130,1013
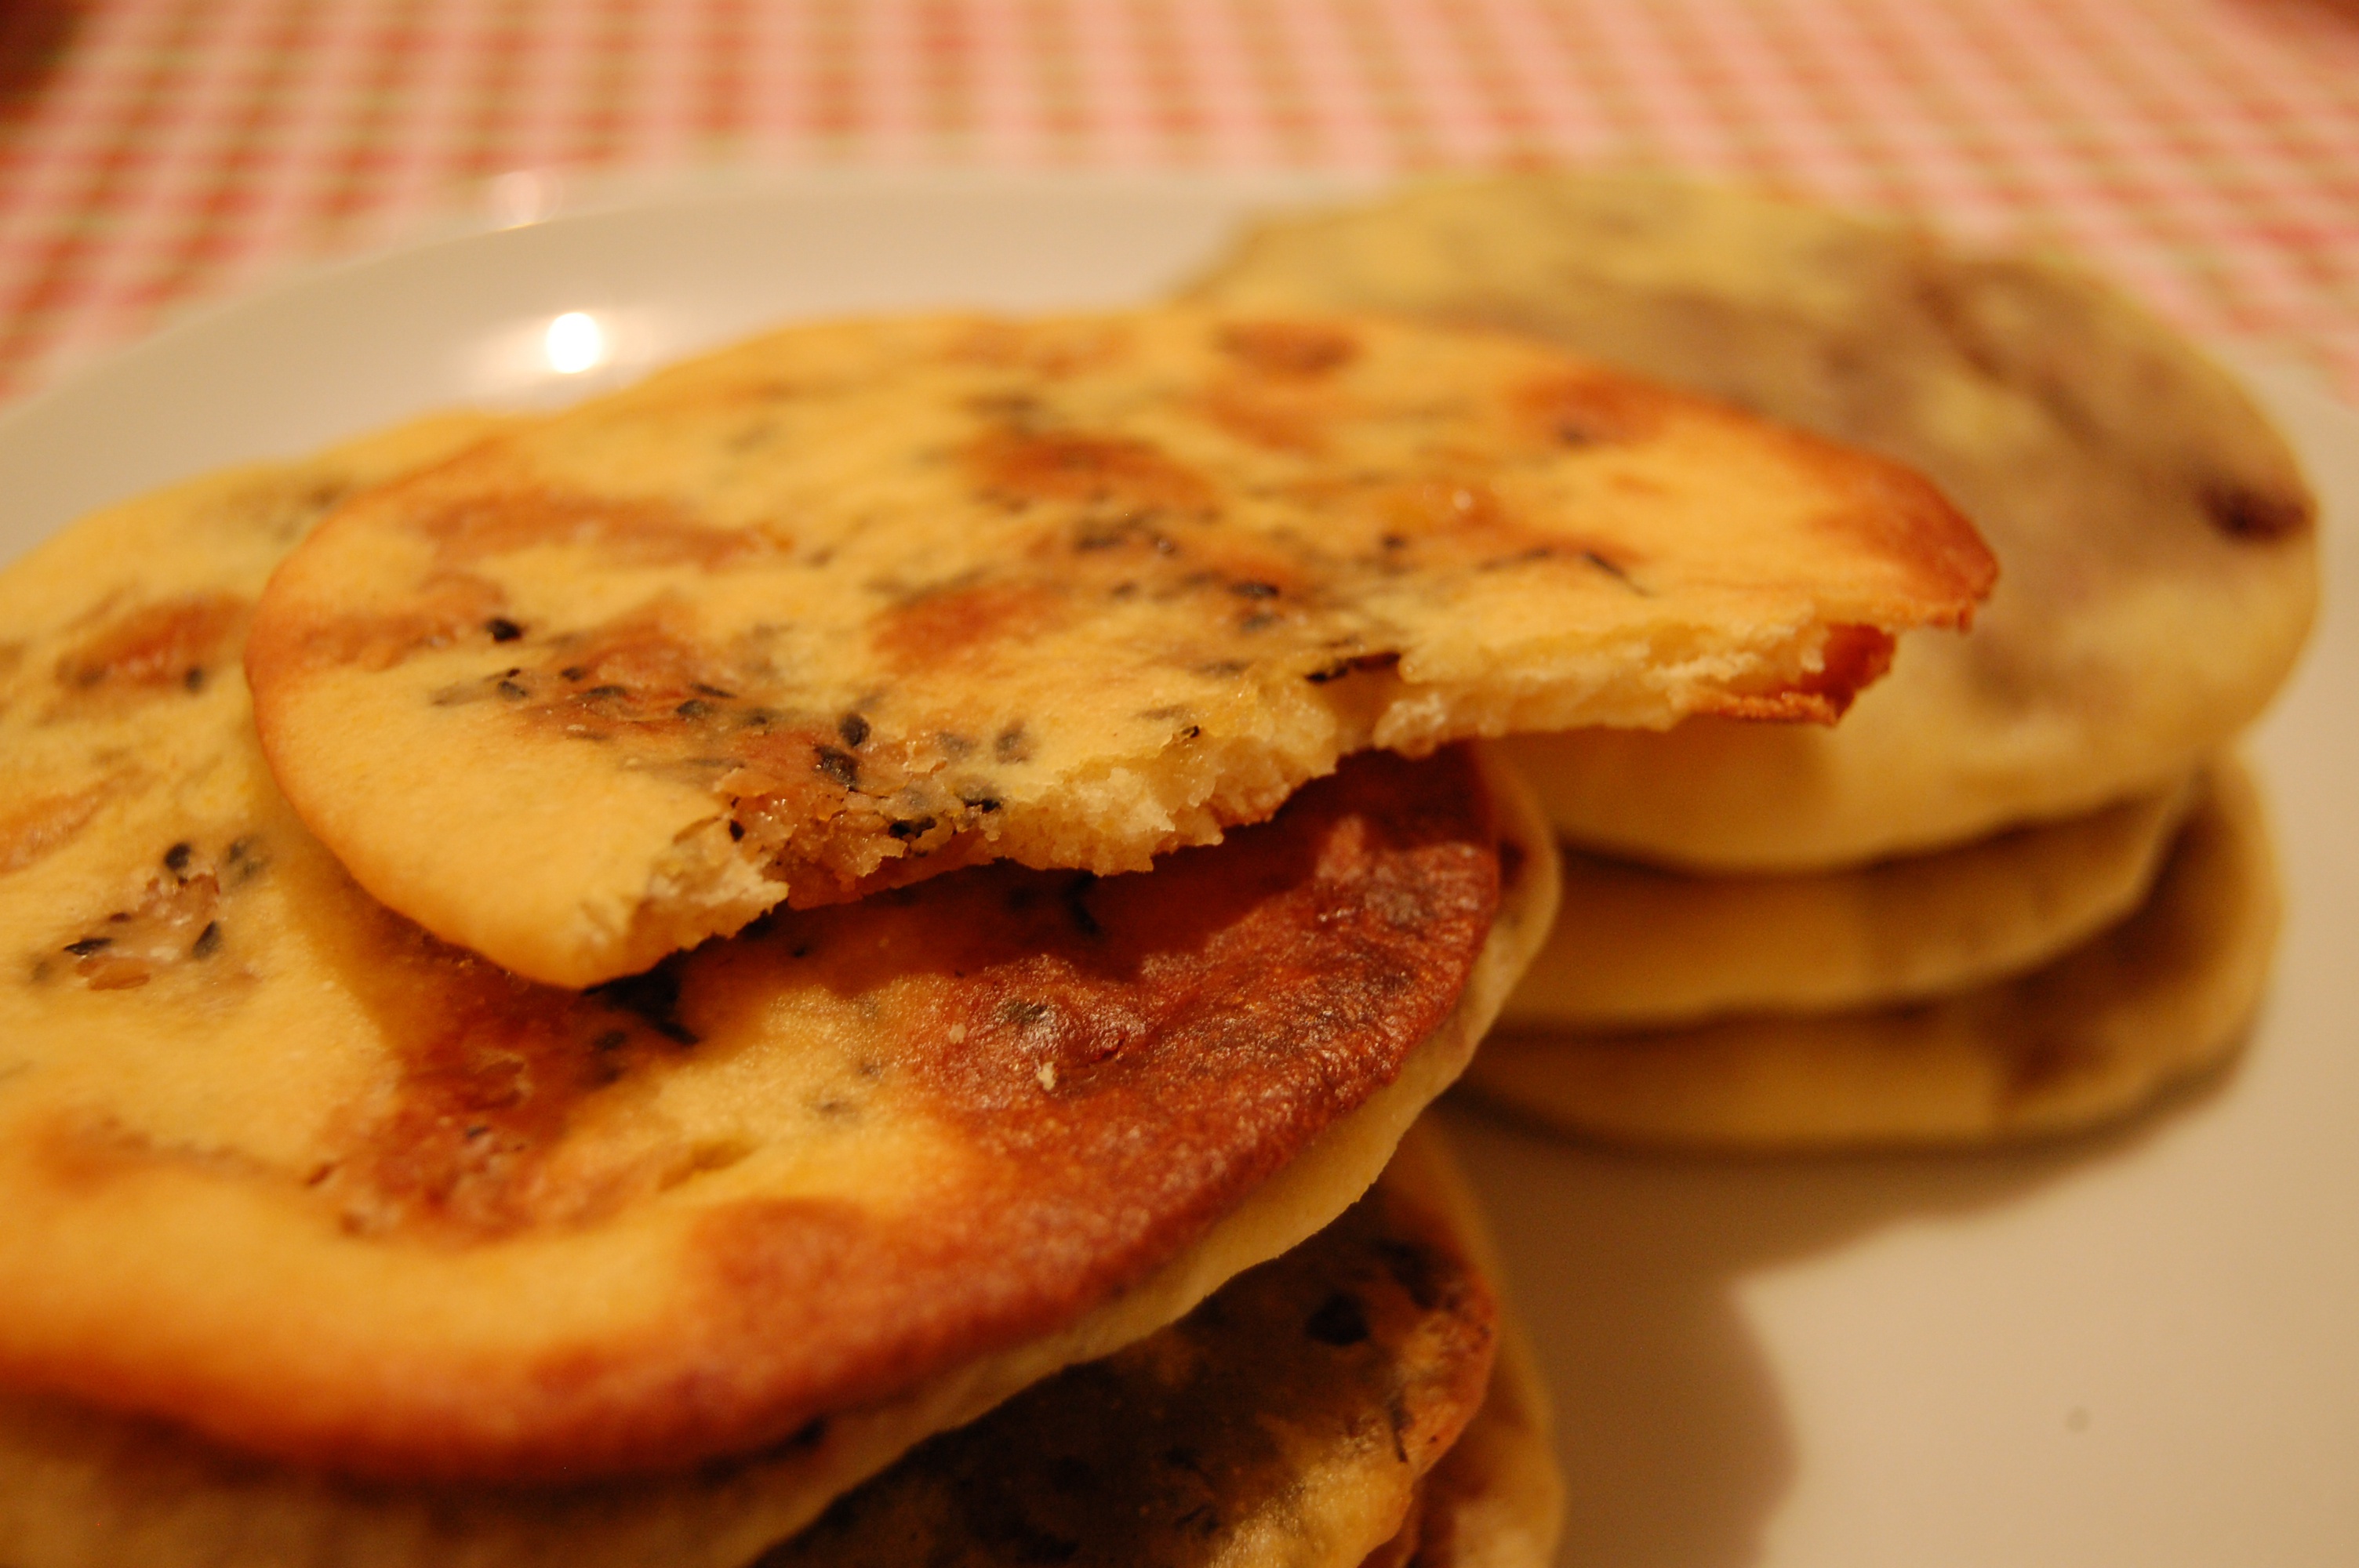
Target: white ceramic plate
x,y
2137,1349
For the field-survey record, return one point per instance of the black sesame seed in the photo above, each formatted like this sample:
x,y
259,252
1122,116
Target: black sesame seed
x,y
911,827
512,691
503,629
176,859
572,672
88,945
208,941
195,679
736,832
693,708
838,766
853,728
1249,588
607,691
1013,745
698,686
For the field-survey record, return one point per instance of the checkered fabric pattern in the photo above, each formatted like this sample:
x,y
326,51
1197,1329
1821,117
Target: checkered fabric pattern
x,y
2204,152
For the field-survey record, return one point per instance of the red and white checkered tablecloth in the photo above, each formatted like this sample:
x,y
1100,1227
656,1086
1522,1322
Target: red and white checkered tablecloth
x,y
2204,152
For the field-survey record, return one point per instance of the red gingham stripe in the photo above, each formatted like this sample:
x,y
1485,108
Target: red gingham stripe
x,y
2204,152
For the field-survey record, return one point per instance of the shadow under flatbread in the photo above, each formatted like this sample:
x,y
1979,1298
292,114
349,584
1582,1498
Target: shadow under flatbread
x,y
1674,1435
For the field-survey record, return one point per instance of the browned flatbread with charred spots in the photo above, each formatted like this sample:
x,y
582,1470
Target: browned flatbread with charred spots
x,y
857,603
1292,1419
282,1168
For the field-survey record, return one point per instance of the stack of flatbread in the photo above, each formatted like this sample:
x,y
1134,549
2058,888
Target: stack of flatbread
x,y
2024,887
825,959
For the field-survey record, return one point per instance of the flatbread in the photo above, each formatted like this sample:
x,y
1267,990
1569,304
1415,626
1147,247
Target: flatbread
x,y
2095,1035
1288,1418
856,603
1292,1419
2156,540
1636,948
814,1192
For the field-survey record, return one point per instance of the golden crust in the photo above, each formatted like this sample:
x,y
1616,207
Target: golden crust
x,y
859,603
2093,1036
2157,545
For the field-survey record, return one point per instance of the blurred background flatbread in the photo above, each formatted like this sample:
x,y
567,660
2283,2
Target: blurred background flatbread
x,y
2157,570
2156,1000
1638,946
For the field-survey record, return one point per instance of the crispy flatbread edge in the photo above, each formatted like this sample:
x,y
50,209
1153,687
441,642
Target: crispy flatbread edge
x,y
724,1516
1497,1499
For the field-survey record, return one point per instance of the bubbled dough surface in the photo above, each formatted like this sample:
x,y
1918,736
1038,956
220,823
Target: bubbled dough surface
x,y
859,603
2156,556
2093,1035
1635,946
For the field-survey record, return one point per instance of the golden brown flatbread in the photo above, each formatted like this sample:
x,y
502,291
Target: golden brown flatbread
x,y
2156,541
856,603
284,1168
2093,1035
1287,1420
1292,1419
1636,948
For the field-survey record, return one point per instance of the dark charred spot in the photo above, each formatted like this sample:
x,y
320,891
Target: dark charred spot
x,y
572,673
982,802
2245,513
910,827
854,728
1257,621
736,832
194,681
1610,569
1018,1012
1204,1520
653,998
953,745
1418,1270
1358,661
1076,896
1340,1321
840,768
1012,744
503,629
